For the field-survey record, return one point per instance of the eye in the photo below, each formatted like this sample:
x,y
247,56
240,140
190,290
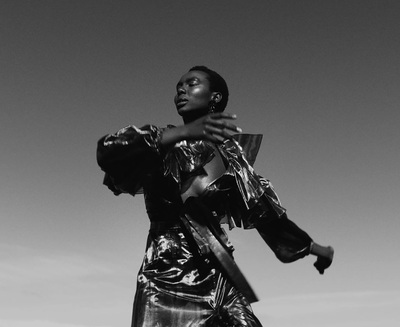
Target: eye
x,y
193,82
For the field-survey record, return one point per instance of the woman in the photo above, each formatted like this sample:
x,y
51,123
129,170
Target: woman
x,y
194,178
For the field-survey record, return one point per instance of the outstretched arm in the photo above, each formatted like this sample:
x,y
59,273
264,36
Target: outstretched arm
x,y
290,243
287,240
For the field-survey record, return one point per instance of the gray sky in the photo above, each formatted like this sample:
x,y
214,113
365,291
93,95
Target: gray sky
x,y
320,80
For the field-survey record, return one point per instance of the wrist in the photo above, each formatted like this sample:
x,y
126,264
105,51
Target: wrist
x,y
181,133
321,251
171,136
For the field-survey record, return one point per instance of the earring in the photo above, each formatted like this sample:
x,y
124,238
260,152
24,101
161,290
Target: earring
x,y
211,110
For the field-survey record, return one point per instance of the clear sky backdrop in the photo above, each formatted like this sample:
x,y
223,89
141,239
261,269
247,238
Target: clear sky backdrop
x,y
320,80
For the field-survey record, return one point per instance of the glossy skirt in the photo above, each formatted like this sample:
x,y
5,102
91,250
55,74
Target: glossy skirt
x,y
178,288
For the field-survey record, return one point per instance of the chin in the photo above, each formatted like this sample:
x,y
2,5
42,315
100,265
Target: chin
x,y
181,112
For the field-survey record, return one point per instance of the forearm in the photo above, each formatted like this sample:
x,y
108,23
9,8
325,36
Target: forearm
x,y
214,128
170,136
285,238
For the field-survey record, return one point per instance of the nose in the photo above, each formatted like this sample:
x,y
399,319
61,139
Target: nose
x,y
181,90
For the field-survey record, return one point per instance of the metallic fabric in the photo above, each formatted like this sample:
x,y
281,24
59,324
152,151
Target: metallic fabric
x,y
210,238
175,288
244,195
250,144
182,282
187,157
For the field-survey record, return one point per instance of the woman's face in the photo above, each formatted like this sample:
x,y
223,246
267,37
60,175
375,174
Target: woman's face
x,y
193,94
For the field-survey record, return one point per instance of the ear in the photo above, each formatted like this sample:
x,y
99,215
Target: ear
x,y
216,97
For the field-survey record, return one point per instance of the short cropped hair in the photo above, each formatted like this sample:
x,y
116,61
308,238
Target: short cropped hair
x,y
217,84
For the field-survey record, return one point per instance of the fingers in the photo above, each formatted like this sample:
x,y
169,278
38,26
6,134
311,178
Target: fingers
x,y
323,263
215,135
319,268
217,122
220,133
221,130
215,138
222,115
214,127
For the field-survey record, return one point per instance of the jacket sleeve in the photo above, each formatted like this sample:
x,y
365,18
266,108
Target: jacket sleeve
x,y
263,207
128,156
288,242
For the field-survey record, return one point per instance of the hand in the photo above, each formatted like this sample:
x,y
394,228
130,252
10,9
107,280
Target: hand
x,y
324,261
212,127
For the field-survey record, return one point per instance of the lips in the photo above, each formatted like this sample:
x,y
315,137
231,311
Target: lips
x,y
181,102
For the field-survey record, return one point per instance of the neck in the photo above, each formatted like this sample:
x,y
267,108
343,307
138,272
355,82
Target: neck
x,y
190,117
